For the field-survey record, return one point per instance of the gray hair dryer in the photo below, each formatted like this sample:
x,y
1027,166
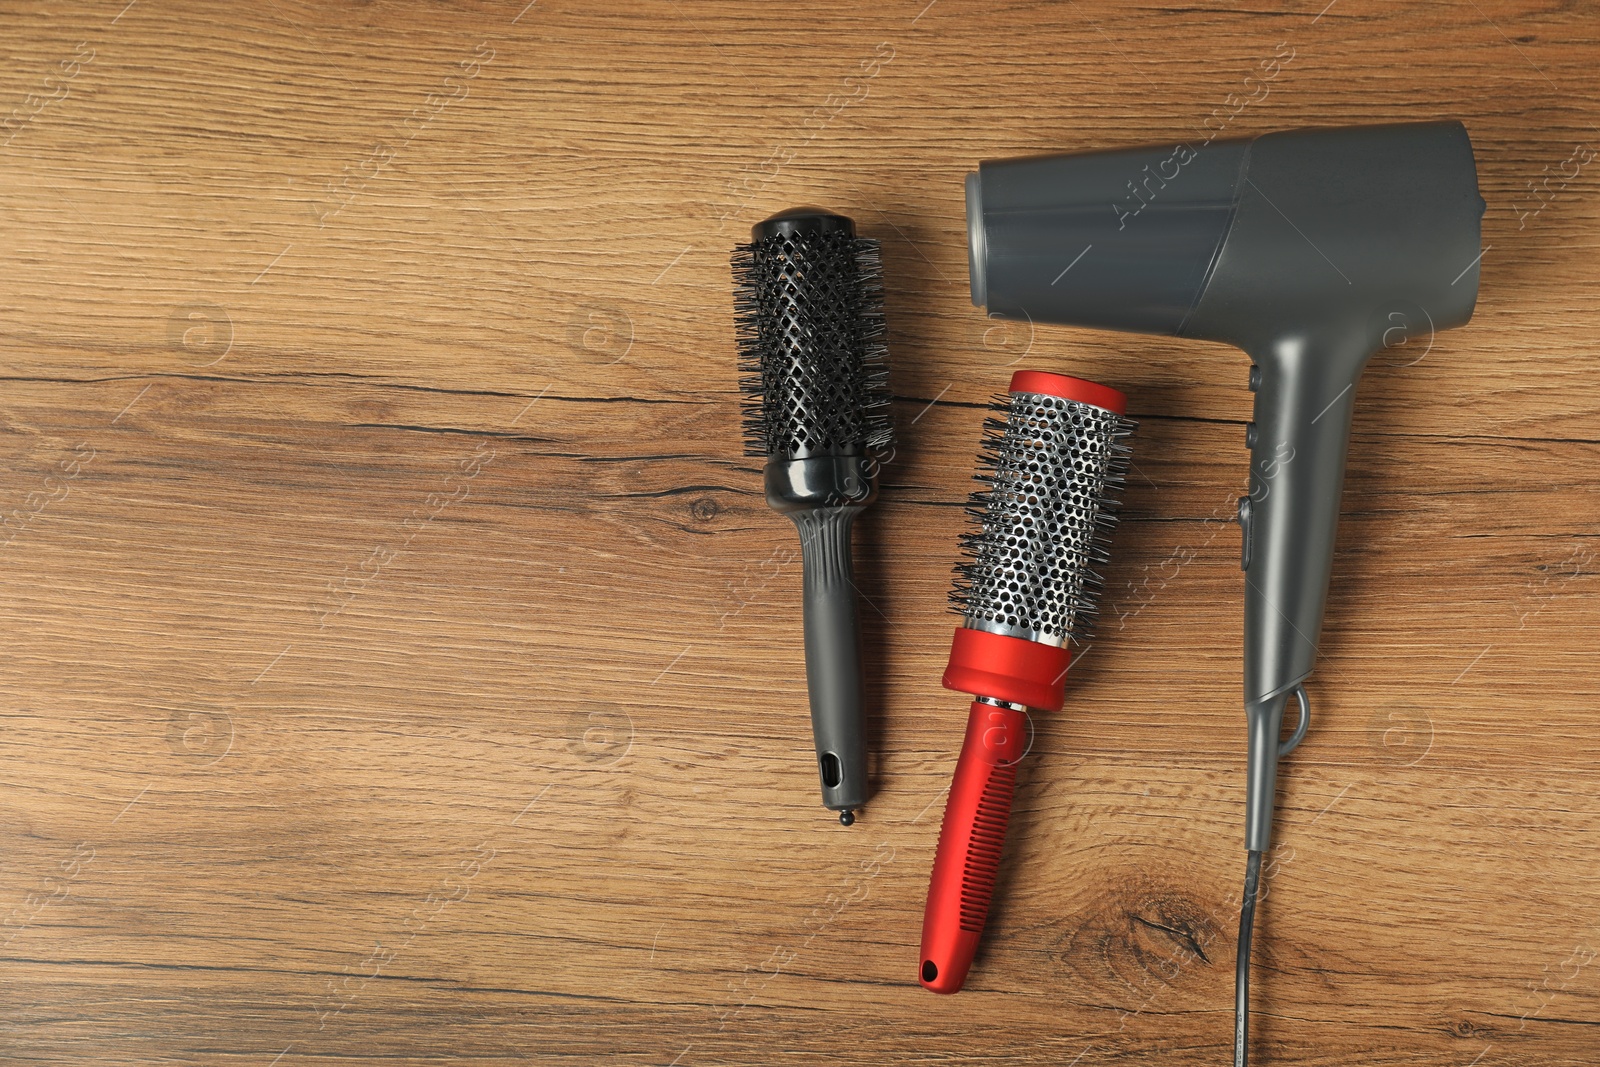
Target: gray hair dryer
x,y
1309,249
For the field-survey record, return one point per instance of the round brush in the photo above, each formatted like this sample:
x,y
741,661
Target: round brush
x,y
1053,460
809,315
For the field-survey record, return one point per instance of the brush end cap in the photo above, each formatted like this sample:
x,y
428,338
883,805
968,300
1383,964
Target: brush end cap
x,y
802,220
1066,387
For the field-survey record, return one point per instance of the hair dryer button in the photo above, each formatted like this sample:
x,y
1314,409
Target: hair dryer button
x,y
1249,435
1255,377
1244,533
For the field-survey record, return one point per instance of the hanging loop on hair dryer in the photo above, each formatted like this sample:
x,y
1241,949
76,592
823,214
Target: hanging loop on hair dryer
x,y
1299,734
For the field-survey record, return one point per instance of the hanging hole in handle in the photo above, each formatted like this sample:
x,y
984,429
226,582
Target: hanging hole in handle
x,y
1299,735
831,774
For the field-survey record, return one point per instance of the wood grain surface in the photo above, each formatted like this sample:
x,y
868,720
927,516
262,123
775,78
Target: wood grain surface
x,y
403,668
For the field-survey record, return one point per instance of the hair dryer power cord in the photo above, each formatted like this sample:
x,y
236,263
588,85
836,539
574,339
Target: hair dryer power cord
x,y
1241,982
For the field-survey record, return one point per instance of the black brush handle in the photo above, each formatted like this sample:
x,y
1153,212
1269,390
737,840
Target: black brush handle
x,y
833,655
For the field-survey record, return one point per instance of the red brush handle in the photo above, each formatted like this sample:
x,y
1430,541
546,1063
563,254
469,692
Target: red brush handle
x,y
970,841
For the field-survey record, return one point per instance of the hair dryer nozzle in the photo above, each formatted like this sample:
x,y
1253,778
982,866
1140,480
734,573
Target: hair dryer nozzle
x,y
1121,239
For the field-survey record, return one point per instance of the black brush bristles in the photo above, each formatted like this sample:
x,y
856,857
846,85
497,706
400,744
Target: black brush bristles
x,y
1052,470
808,316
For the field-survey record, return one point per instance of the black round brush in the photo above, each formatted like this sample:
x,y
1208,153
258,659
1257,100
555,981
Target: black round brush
x,y
808,303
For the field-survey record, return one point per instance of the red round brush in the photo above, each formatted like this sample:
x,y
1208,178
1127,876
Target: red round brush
x,y
1051,463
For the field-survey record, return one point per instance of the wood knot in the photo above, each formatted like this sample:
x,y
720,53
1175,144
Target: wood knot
x,y
704,509
1145,936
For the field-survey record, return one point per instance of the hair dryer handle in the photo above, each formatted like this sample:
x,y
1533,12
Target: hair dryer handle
x,y
1289,521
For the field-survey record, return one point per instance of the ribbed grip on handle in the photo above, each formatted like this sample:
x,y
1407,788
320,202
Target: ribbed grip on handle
x,y
970,844
833,655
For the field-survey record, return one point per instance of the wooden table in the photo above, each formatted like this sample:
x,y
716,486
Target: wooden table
x,y
403,667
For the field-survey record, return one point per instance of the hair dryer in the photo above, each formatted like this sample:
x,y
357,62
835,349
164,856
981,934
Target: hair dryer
x,y
1309,249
